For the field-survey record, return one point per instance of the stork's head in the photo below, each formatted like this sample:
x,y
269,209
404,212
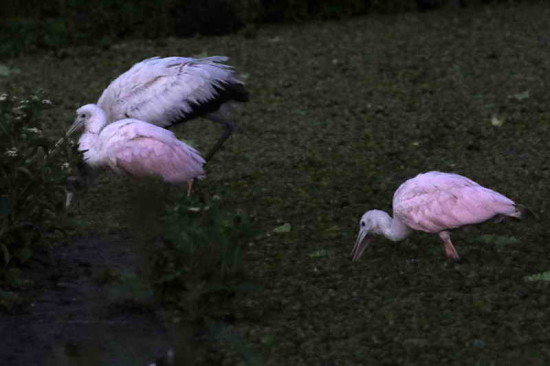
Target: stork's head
x,y
91,117
372,223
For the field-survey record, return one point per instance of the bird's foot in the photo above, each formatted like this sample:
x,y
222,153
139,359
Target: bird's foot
x,y
451,252
454,260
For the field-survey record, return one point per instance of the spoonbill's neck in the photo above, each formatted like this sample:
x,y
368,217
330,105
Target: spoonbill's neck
x,y
393,229
97,121
90,138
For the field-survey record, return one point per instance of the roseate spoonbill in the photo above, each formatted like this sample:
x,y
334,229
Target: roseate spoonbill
x,y
172,90
435,202
135,148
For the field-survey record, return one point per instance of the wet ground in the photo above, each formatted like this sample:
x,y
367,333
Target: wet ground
x,y
342,113
73,319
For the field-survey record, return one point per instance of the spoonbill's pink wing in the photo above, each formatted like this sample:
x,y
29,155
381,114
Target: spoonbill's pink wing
x,y
130,128
436,201
141,149
144,156
164,90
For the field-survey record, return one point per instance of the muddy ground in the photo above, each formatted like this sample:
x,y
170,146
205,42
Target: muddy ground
x,y
342,113
73,320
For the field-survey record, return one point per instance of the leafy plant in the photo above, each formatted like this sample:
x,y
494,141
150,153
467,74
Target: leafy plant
x,y
200,267
226,334
12,302
32,181
129,290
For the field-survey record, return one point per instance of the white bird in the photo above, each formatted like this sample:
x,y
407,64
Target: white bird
x,y
172,90
136,148
435,202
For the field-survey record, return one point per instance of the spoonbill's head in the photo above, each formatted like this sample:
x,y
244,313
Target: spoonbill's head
x,y
372,223
90,117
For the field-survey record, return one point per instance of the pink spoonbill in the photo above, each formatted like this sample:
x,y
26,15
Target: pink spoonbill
x,y
172,90
435,202
136,148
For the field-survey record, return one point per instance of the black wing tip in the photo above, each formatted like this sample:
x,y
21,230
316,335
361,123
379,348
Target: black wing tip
x,y
224,92
525,213
236,92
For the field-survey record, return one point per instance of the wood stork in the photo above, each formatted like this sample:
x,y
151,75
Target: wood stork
x,y
173,90
435,202
136,148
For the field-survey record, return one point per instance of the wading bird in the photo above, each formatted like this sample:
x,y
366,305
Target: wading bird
x,y
172,90
135,148
435,202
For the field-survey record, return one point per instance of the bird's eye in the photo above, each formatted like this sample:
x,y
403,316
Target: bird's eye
x,y
82,116
362,223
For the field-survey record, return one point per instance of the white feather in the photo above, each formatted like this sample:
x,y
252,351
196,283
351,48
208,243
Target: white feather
x,y
161,90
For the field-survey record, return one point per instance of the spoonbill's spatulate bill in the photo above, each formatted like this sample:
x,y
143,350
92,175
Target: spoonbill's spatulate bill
x,y
136,148
435,202
172,90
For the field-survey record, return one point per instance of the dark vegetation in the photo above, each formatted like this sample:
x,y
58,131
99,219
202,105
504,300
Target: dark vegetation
x,y
33,172
255,269
27,26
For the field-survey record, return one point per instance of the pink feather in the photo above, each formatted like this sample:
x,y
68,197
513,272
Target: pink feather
x,y
436,201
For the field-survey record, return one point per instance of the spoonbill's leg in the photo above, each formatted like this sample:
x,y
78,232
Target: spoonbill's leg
x,y
73,186
450,250
69,197
189,187
76,184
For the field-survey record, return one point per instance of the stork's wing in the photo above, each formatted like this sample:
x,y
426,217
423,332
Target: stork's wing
x,y
447,201
164,91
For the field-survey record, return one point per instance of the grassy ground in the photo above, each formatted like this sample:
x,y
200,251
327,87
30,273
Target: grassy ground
x,y
342,113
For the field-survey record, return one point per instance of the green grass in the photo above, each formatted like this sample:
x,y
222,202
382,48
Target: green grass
x,y
342,113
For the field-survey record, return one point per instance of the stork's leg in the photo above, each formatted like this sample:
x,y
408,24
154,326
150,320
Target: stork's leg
x,y
228,128
450,250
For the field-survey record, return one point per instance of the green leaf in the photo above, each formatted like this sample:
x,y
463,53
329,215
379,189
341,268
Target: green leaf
x,y
247,287
24,254
6,253
5,207
497,240
521,96
320,253
42,142
25,171
284,228
543,276
6,71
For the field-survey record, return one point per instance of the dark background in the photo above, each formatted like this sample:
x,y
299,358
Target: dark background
x,y
27,26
